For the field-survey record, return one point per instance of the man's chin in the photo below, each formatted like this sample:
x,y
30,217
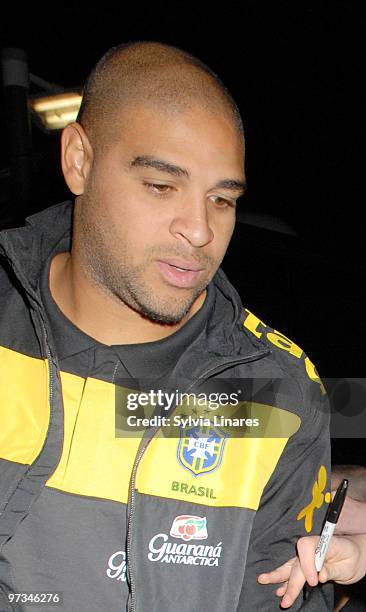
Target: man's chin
x,y
166,315
162,319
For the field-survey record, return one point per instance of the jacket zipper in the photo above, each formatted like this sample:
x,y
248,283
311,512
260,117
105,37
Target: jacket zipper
x,y
51,368
205,375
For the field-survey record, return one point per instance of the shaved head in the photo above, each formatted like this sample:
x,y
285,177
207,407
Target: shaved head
x,y
149,74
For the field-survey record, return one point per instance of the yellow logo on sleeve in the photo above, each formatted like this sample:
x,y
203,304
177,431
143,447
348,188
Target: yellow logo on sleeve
x,y
282,342
318,499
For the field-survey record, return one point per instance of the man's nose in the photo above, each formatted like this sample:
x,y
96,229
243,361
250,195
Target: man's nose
x,y
191,222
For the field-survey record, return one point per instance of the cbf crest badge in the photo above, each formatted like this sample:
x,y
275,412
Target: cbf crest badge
x,y
200,449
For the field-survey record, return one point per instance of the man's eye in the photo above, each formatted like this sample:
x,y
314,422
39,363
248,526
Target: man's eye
x,y
223,202
158,188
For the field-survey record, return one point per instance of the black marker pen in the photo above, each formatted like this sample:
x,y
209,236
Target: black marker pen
x,y
331,519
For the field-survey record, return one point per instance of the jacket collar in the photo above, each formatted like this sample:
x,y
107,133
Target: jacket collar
x,y
27,248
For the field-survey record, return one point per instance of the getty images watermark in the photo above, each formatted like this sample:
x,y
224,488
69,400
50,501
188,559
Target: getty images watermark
x,y
243,407
193,403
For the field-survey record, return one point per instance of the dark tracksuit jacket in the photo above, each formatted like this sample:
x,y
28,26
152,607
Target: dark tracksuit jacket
x,y
185,522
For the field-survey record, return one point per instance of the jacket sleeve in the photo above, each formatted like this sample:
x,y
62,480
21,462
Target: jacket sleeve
x,y
293,504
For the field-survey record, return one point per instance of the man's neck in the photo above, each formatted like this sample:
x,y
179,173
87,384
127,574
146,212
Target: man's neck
x,y
100,315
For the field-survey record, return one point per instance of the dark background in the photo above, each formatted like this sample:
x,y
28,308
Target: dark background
x,y
295,70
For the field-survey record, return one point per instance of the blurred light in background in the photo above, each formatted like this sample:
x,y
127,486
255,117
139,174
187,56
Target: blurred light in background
x,y
54,112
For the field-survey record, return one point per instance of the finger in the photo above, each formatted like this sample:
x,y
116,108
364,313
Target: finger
x,y
294,587
324,575
281,590
306,551
280,574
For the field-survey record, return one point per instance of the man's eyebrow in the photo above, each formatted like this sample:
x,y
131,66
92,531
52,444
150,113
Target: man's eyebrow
x,y
232,185
147,161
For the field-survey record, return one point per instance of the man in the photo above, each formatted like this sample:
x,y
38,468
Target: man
x,y
152,522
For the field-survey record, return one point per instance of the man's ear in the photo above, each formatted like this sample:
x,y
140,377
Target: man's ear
x,y
76,157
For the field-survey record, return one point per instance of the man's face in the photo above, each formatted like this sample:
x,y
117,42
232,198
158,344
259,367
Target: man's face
x,y
158,209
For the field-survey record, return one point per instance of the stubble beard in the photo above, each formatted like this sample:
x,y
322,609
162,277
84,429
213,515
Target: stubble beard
x,y
116,277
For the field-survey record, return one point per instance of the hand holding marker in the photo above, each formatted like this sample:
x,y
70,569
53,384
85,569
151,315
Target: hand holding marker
x,y
331,519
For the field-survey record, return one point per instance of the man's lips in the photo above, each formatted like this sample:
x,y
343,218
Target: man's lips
x,y
180,272
183,264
